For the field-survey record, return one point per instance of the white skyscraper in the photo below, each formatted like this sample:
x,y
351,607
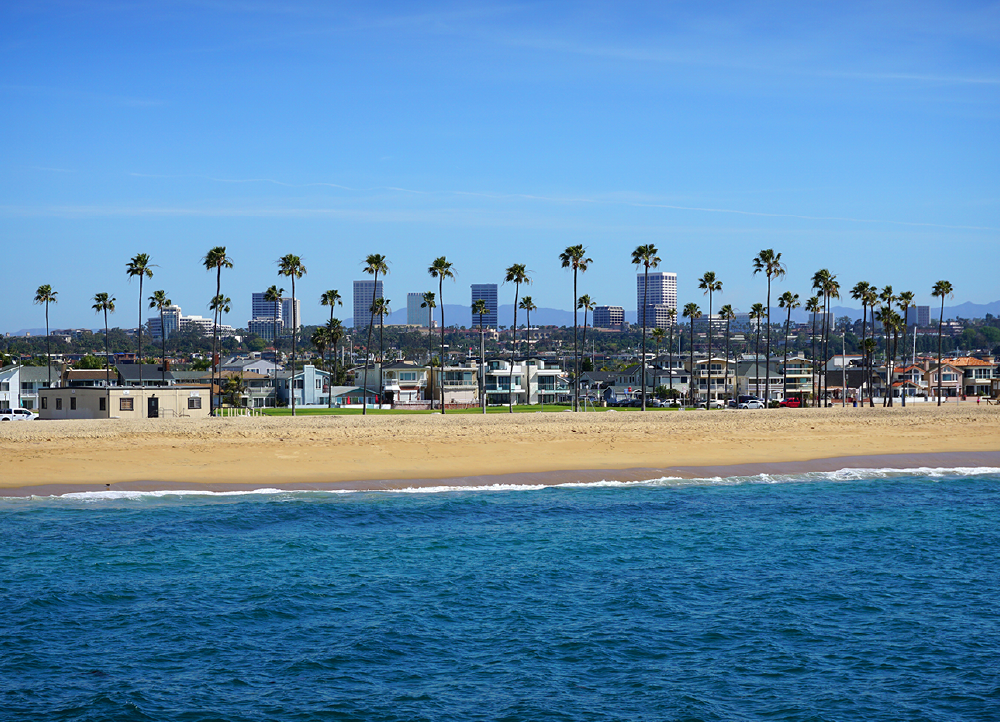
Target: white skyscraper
x,y
363,301
661,297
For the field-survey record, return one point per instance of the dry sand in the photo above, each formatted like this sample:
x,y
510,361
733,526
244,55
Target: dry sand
x,y
384,451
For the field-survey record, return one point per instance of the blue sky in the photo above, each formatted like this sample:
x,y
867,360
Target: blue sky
x,y
861,137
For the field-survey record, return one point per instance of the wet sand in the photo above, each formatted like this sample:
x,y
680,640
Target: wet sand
x,y
379,452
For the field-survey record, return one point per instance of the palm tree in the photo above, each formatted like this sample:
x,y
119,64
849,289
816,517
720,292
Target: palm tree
x,y
941,289
141,267
441,269
159,301
823,282
861,292
587,304
787,300
905,300
481,309
381,309
757,313
430,304
871,298
219,305
768,262
334,332
527,305
727,313
691,311
813,307
575,257
516,274
273,295
375,264
216,259
888,298
671,319
320,340
291,266
330,298
709,285
45,295
646,257
105,302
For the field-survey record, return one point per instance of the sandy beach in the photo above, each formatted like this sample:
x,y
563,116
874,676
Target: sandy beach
x,y
392,451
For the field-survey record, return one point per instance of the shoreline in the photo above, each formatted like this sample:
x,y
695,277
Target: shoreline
x,y
902,462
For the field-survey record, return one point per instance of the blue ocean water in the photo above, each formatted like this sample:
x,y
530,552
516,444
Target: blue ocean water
x,y
856,595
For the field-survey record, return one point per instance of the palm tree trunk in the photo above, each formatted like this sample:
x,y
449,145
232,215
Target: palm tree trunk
x,y
294,334
670,355
138,355
48,338
107,363
708,388
163,348
368,346
441,296
482,362
784,365
694,398
756,354
940,333
576,352
513,351
816,377
585,348
430,333
645,302
767,352
527,353
725,378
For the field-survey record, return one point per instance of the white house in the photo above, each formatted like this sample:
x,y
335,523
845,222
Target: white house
x,y
10,387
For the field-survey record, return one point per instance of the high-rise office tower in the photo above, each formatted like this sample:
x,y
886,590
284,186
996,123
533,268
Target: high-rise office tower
x,y
609,317
661,297
415,316
291,316
488,293
363,301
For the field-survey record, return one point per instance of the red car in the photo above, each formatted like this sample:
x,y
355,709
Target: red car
x,y
791,403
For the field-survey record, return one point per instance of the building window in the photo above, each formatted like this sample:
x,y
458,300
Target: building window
x,y
72,403
58,404
194,402
319,383
125,404
45,402
104,404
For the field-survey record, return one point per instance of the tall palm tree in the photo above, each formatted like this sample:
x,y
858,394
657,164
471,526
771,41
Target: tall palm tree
x,y
905,300
375,264
646,257
821,283
516,274
45,295
813,307
941,290
321,340
381,309
273,295
769,263
871,298
728,314
334,332
861,292
758,314
219,305
575,257
291,266
527,305
710,285
888,298
481,309
159,301
330,298
692,312
787,300
587,304
441,269
139,266
104,302
216,259
430,304
672,320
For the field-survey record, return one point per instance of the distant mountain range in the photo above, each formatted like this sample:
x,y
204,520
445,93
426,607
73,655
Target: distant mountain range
x,y
458,315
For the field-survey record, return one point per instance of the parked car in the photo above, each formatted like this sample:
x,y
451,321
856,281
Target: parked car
x,y
752,404
713,404
16,415
790,403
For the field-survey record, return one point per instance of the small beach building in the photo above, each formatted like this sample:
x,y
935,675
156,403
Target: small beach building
x,y
10,386
120,402
311,386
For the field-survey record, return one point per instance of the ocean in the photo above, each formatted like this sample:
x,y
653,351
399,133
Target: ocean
x,y
850,595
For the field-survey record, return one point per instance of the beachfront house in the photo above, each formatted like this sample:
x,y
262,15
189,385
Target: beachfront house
x,y
10,385
311,386
404,382
460,382
976,375
120,402
501,388
715,377
33,379
951,381
753,378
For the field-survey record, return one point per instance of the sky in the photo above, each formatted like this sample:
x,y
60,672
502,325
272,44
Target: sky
x,y
859,137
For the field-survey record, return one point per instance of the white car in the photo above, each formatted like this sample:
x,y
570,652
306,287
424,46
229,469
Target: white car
x,y
16,415
713,404
752,404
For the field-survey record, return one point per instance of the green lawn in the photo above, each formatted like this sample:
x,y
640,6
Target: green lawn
x,y
489,410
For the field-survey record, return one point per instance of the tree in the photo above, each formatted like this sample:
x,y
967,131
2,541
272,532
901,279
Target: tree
x,y
481,309
159,301
587,304
672,320
787,300
139,266
758,313
320,340
291,267
709,284
381,309
105,303
871,298
233,389
44,296
888,298
769,263
905,300
691,312
527,305
728,314
332,299
646,257
216,259
941,290
334,333
273,295
827,288
375,264
813,307
861,292
575,257
430,304
441,269
516,274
